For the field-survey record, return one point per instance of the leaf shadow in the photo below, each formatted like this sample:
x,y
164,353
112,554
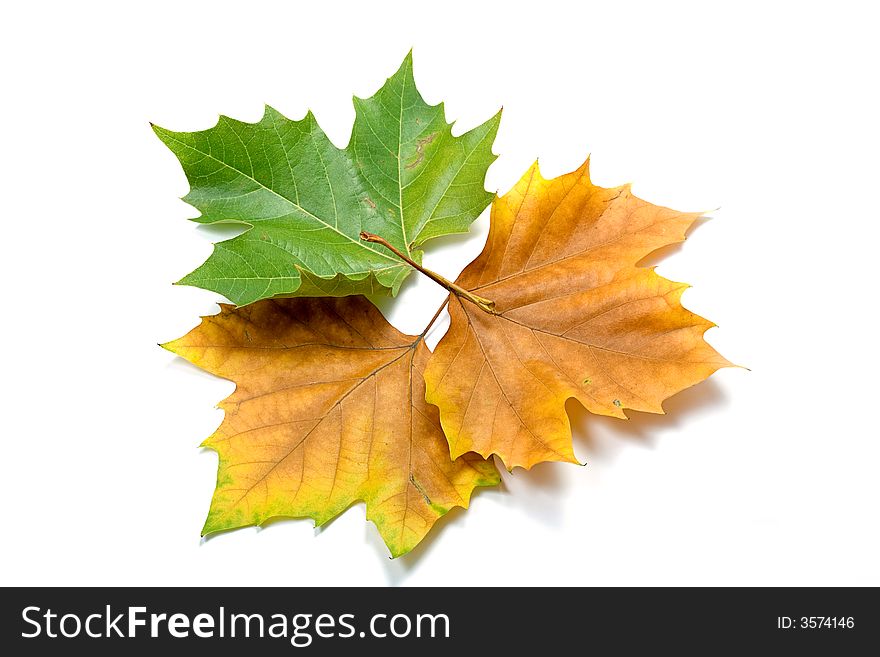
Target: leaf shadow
x,y
398,570
656,257
221,230
385,302
592,432
535,492
183,366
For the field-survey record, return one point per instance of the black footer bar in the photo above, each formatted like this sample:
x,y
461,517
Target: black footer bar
x,y
433,621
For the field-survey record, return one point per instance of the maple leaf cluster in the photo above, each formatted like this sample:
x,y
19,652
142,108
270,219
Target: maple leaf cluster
x,y
332,404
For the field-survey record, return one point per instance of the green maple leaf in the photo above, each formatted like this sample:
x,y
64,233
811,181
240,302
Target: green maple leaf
x,y
402,176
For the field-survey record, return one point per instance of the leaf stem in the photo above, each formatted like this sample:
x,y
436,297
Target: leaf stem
x,y
486,305
434,318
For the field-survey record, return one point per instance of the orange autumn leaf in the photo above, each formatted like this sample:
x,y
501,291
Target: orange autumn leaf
x,y
329,409
574,317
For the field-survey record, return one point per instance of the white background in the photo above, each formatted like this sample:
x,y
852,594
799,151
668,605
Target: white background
x,y
767,110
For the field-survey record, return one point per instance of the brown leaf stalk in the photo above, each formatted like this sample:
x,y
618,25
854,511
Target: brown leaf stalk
x,y
486,305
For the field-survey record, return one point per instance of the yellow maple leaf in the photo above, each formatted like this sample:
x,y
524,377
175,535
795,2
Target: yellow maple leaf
x,y
329,408
573,317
